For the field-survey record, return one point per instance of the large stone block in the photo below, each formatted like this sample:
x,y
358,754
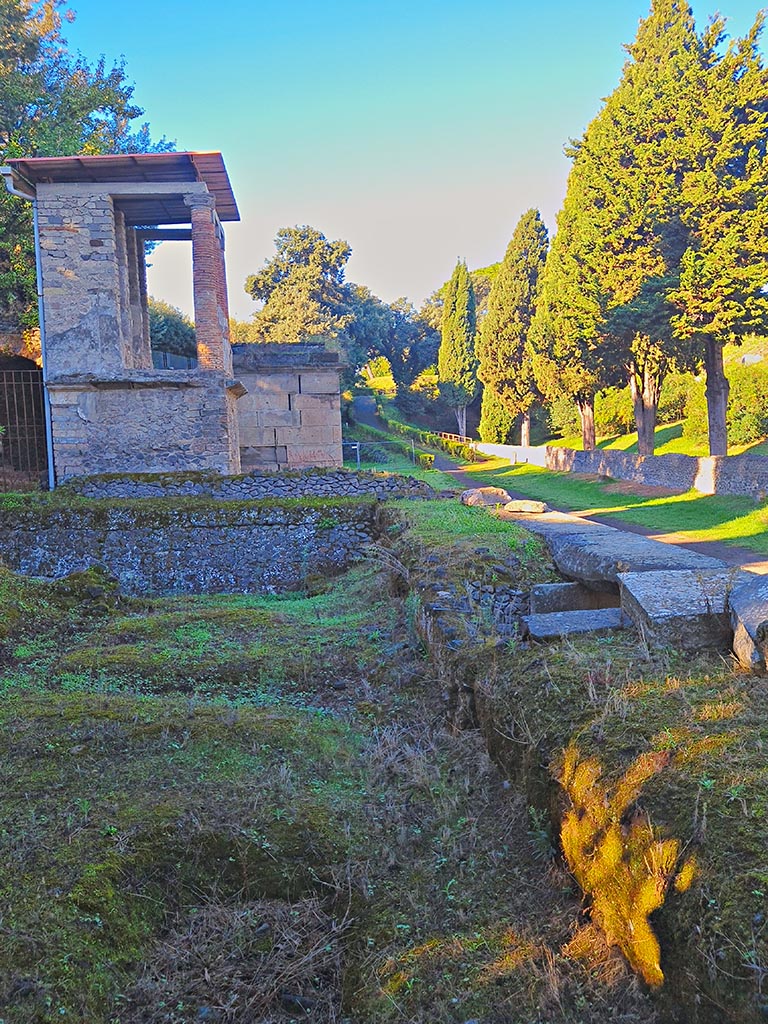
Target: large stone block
x,y
256,437
319,383
681,608
748,603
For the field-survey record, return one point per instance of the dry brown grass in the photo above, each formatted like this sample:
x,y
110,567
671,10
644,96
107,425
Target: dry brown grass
x,y
265,961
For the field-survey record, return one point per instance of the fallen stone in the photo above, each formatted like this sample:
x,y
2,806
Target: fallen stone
x,y
748,603
552,625
523,505
682,608
569,597
485,496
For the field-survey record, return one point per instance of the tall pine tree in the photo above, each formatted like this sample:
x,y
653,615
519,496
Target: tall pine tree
x,y
456,362
503,349
672,224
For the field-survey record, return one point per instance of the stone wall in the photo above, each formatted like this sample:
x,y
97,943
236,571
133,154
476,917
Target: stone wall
x,y
290,417
732,474
110,409
156,421
253,486
197,546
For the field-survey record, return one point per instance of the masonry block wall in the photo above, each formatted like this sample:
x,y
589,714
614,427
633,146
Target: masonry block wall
x,y
110,410
291,416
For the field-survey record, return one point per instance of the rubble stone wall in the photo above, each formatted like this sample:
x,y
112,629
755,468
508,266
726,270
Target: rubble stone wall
x,y
253,486
192,547
731,474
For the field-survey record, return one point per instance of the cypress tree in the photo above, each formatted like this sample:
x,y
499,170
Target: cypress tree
x,y
566,331
496,421
456,362
503,348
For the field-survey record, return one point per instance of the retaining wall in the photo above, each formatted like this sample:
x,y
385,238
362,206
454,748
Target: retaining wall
x,y
251,486
731,474
199,546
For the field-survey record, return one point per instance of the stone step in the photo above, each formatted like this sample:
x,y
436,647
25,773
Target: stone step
x,y
569,597
553,625
682,608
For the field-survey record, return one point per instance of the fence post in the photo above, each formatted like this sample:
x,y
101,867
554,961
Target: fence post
x,y
413,451
357,453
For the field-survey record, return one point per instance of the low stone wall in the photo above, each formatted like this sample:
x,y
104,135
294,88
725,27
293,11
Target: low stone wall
x,y
732,474
252,486
198,546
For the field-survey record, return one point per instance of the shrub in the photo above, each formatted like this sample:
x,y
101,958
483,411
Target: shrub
x,y
426,460
674,396
613,412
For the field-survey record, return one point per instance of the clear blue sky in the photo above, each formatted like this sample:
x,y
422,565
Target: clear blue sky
x,y
418,131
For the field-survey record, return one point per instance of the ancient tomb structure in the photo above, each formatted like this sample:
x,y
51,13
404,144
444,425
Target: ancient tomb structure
x,y
290,417
110,411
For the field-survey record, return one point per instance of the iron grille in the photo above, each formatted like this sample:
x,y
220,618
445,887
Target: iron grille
x,y
23,450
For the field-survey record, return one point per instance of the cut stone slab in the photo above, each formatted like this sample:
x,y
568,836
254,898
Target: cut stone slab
x,y
485,496
526,506
682,608
749,618
553,625
605,556
569,597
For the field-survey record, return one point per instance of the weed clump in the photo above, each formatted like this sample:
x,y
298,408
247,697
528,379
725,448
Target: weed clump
x,y
616,856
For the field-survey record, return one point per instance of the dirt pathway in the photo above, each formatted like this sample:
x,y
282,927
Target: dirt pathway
x,y
731,554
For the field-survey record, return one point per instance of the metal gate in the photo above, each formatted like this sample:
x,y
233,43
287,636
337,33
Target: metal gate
x,y
23,447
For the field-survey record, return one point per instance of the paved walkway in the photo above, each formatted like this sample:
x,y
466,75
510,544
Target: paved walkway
x,y
730,554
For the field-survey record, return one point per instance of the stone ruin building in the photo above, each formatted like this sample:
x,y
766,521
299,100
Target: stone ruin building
x,y
107,408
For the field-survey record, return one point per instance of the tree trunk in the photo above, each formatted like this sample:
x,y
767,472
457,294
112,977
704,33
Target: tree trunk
x,y
525,429
717,397
461,419
586,407
645,402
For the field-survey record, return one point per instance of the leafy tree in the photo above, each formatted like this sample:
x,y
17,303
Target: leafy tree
x,y
482,282
301,287
409,344
496,421
456,362
503,349
170,330
51,103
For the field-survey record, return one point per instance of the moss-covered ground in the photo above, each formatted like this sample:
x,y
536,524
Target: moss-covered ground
x,y
249,809
694,731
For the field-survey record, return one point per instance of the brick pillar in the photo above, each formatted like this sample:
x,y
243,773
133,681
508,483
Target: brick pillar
x,y
212,347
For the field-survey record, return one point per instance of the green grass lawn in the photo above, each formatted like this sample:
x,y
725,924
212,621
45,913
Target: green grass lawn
x,y
669,441
732,519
